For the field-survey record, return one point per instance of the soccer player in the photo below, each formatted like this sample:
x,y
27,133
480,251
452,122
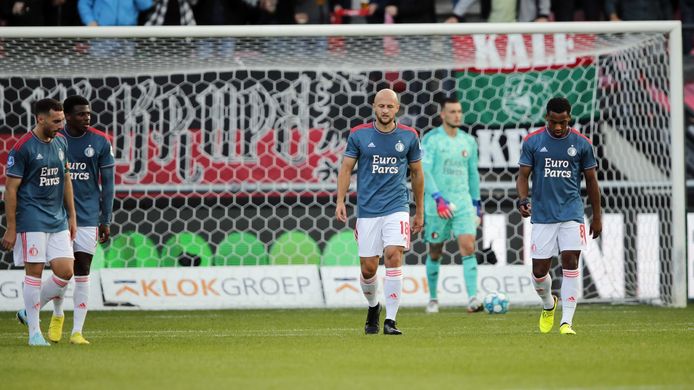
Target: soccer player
x,y
452,202
558,156
383,149
91,162
40,212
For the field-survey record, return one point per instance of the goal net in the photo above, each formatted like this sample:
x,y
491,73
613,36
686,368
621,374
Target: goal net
x,y
228,139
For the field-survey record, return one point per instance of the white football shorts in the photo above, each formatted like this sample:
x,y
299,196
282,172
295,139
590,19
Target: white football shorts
x,y
87,237
548,240
374,234
39,247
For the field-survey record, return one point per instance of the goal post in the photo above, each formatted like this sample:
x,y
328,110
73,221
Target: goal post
x,y
679,189
228,138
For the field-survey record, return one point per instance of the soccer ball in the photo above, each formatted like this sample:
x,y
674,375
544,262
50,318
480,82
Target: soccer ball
x,y
496,303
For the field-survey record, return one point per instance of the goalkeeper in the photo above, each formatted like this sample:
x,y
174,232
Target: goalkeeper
x,y
452,199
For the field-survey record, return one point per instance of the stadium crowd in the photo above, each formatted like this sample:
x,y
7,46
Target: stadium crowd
x,y
240,12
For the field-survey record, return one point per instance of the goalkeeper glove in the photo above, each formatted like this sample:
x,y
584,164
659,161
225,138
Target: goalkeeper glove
x,y
478,208
443,207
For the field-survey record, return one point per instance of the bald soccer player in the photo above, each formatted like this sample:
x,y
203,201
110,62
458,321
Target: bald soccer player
x,y
384,149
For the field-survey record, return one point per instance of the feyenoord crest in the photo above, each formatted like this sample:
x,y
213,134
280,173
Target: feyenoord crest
x,y
89,152
464,152
33,251
434,235
571,151
61,155
399,146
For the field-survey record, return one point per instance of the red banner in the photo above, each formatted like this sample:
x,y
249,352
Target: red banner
x,y
188,163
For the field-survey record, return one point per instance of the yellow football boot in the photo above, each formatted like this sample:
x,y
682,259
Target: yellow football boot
x,y
547,317
78,339
55,329
566,329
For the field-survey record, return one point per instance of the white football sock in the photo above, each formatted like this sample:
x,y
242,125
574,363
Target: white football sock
x,y
392,289
54,288
32,305
81,298
58,306
369,287
543,287
569,295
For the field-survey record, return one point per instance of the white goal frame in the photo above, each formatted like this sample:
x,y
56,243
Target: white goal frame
x,y
671,28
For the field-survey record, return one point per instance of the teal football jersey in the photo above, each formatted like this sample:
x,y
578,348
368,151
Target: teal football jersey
x,y
450,168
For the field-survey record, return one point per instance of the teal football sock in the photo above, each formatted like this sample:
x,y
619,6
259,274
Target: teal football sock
x,y
470,275
432,267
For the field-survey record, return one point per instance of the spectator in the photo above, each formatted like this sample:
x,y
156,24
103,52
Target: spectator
x,y
28,12
224,12
421,11
506,11
378,10
111,12
262,11
402,11
617,10
172,13
687,14
521,11
316,11
65,14
274,12
214,12
564,9
460,8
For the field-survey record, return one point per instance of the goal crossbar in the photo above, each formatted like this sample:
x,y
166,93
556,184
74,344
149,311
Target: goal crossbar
x,y
341,30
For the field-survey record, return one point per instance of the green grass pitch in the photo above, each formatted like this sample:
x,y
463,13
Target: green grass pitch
x,y
617,347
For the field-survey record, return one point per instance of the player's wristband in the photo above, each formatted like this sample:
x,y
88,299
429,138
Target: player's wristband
x,y
436,196
523,202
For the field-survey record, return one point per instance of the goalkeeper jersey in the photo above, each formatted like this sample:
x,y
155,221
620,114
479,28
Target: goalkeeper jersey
x,y
450,168
557,168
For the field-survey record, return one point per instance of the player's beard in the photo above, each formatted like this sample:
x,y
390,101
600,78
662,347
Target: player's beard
x,y
50,134
385,123
453,125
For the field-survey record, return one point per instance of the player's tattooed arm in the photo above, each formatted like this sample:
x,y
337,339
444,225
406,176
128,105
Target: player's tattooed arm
x,y
522,186
593,190
343,180
11,188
